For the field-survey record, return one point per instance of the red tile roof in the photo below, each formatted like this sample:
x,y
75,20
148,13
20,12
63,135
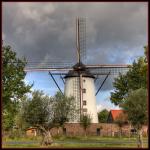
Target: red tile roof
x,y
115,113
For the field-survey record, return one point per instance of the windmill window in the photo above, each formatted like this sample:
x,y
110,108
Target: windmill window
x,y
84,102
84,90
84,80
85,110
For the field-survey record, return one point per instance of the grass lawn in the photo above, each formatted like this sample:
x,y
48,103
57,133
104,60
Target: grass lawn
x,y
74,142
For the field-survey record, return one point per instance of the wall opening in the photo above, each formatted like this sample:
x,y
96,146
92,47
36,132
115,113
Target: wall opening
x,y
64,131
98,131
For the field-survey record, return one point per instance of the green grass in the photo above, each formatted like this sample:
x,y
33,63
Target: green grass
x,y
73,146
74,142
38,138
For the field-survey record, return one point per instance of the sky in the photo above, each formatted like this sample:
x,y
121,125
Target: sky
x,y
116,33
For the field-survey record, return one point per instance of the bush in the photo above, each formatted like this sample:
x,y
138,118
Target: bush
x,y
16,133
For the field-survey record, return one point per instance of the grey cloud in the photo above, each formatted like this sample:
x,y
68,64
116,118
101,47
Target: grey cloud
x,y
41,29
116,31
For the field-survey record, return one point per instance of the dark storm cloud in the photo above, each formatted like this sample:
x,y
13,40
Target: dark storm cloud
x,y
116,32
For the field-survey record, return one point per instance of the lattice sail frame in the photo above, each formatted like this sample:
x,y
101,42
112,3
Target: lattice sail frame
x,y
76,94
81,39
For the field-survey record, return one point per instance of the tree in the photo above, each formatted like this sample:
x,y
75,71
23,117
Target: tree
x,y
135,106
121,120
20,122
14,88
134,79
63,108
46,112
146,53
103,115
37,112
85,122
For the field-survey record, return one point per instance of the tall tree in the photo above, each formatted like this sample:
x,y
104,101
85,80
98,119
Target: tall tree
x,y
47,112
13,85
37,112
134,79
85,122
146,53
103,115
135,106
64,109
121,120
19,119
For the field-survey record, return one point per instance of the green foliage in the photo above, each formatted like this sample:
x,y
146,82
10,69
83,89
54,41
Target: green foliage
x,y
121,89
85,121
48,111
20,121
146,53
12,77
103,115
134,79
136,107
14,88
8,120
63,108
121,120
35,110
16,134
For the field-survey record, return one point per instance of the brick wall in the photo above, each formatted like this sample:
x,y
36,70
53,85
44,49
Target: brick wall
x,y
106,129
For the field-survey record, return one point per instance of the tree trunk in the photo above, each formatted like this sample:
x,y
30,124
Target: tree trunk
x,y
47,138
139,139
120,132
85,132
129,131
57,130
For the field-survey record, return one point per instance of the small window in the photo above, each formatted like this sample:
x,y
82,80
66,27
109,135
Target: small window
x,y
84,80
85,110
84,102
84,90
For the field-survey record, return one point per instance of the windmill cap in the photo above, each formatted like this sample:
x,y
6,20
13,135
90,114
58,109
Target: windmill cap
x,y
78,69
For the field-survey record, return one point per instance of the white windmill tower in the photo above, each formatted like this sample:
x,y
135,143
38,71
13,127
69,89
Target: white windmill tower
x,y
81,86
80,78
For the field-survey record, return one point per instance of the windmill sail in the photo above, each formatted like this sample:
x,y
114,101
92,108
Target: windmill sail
x,y
79,78
81,39
105,69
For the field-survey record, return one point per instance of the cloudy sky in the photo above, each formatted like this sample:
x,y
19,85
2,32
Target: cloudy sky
x,y
116,33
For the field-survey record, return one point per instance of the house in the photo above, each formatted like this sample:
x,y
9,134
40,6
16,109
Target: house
x,y
114,114
32,131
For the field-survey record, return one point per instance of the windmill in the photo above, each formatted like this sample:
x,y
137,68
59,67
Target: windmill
x,y
79,78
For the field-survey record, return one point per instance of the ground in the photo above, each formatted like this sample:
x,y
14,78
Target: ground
x,y
74,142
